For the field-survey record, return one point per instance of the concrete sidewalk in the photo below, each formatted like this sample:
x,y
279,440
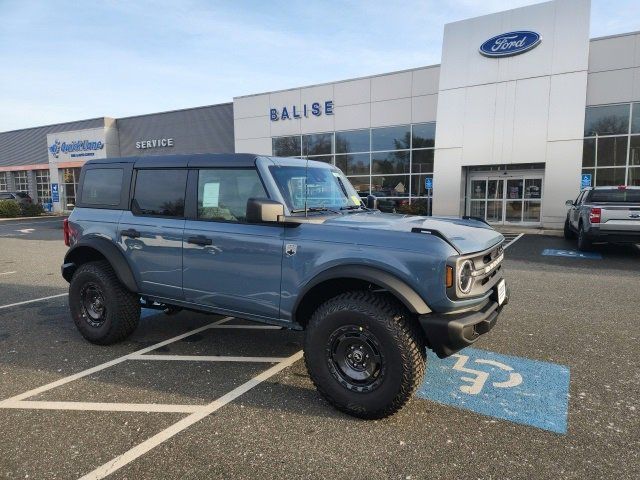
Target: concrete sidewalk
x,y
553,232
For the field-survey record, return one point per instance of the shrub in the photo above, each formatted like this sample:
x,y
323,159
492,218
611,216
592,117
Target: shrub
x,y
417,207
32,210
9,209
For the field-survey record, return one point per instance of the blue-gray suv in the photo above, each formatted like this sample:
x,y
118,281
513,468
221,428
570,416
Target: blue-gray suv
x,y
286,242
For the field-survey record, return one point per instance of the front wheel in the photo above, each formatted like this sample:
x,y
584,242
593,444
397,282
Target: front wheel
x,y
104,311
364,354
568,233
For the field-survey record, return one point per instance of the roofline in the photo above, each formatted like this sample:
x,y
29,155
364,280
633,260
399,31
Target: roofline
x,y
437,65
59,124
614,36
174,111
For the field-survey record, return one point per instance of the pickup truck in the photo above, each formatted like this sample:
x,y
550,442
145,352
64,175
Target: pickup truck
x,y
604,214
286,242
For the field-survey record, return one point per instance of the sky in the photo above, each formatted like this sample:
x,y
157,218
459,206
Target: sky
x,y
71,60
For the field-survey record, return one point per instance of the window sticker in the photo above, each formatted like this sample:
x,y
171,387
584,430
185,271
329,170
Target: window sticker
x,y
211,195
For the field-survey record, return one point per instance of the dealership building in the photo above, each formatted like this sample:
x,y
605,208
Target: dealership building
x,y
523,110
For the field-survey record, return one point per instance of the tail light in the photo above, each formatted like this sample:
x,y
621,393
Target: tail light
x,y
595,215
66,232
622,187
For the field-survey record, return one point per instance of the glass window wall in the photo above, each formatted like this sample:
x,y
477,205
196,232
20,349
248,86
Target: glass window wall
x,y
393,163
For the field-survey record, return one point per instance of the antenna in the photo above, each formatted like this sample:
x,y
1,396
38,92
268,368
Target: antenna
x,y
306,185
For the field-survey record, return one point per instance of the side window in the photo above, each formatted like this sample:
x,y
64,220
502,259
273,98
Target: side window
x,y
102,186
159,193
223,193
579,199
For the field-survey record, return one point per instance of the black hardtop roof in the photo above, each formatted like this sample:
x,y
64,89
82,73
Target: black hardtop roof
x,y
175,161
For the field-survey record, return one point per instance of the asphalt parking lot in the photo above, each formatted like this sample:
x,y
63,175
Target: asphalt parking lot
x,y
551,392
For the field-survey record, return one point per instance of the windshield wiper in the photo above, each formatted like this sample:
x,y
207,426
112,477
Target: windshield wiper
x,y
352,207
314,209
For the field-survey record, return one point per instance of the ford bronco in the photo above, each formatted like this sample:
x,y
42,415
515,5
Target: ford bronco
x,y
286,242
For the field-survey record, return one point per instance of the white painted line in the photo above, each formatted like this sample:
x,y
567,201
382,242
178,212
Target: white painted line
x,y
111,363
104,407
152,442
33,301
250,327
8,273
207,358
514,240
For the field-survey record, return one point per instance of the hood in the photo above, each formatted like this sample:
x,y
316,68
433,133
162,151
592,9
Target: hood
x,y
467,235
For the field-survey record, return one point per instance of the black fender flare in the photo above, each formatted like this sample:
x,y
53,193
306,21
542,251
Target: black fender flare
x,y
407,295
109,251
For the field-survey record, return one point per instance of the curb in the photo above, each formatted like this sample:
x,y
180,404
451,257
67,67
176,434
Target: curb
x,y
32,218
552,232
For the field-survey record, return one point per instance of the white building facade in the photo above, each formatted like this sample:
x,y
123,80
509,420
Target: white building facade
x,y
506,135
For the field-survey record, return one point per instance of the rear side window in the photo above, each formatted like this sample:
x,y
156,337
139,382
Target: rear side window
x,y
102,186
223,193
22,195
160,193
615,196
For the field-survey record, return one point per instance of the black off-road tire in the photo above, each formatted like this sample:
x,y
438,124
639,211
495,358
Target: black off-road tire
x,y
121,312
584,244
400,343
568,233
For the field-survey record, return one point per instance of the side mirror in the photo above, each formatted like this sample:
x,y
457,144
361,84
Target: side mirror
x,y
263,210
372,202
569,203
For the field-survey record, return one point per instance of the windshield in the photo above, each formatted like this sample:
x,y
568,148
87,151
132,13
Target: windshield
x,y
314,188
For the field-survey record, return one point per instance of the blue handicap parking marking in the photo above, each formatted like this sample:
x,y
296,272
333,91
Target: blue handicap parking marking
x,y
149,312
571,254
517,389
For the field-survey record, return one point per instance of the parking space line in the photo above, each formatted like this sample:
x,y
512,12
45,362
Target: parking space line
x,y
161,437
514,240
208,358
250,327
33,301
103,407
7,273
111,363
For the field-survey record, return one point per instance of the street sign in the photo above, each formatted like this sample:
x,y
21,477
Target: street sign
x,y
55,192
428,183
586,180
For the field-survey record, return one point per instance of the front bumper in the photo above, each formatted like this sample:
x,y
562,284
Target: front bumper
x,y
448,333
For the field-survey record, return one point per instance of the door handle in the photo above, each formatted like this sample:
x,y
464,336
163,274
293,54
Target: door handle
x,y
130,233
199,240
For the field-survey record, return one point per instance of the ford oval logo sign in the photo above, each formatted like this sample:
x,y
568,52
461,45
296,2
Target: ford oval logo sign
x,y
508,44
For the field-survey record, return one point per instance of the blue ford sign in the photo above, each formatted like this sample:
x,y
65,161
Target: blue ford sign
x,y
511,43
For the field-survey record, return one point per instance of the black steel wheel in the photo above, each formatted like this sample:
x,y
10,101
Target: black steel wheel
x,y
93,304
365,353
103,310
355,358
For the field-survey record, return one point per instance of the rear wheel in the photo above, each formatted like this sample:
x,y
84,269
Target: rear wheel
x,y
584,243
103,310
365,354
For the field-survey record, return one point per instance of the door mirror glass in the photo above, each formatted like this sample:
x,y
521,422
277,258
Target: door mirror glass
x,y
569,203
263,210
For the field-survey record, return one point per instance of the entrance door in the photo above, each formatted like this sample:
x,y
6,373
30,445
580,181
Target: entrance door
x,y
505,200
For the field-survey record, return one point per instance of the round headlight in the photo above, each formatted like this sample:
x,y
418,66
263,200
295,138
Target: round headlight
x,y
465,277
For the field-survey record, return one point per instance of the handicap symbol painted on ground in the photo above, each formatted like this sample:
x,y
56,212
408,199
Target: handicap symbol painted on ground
x,y
517,389
552,252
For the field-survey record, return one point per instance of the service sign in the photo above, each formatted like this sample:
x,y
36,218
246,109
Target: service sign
x,y
510,43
